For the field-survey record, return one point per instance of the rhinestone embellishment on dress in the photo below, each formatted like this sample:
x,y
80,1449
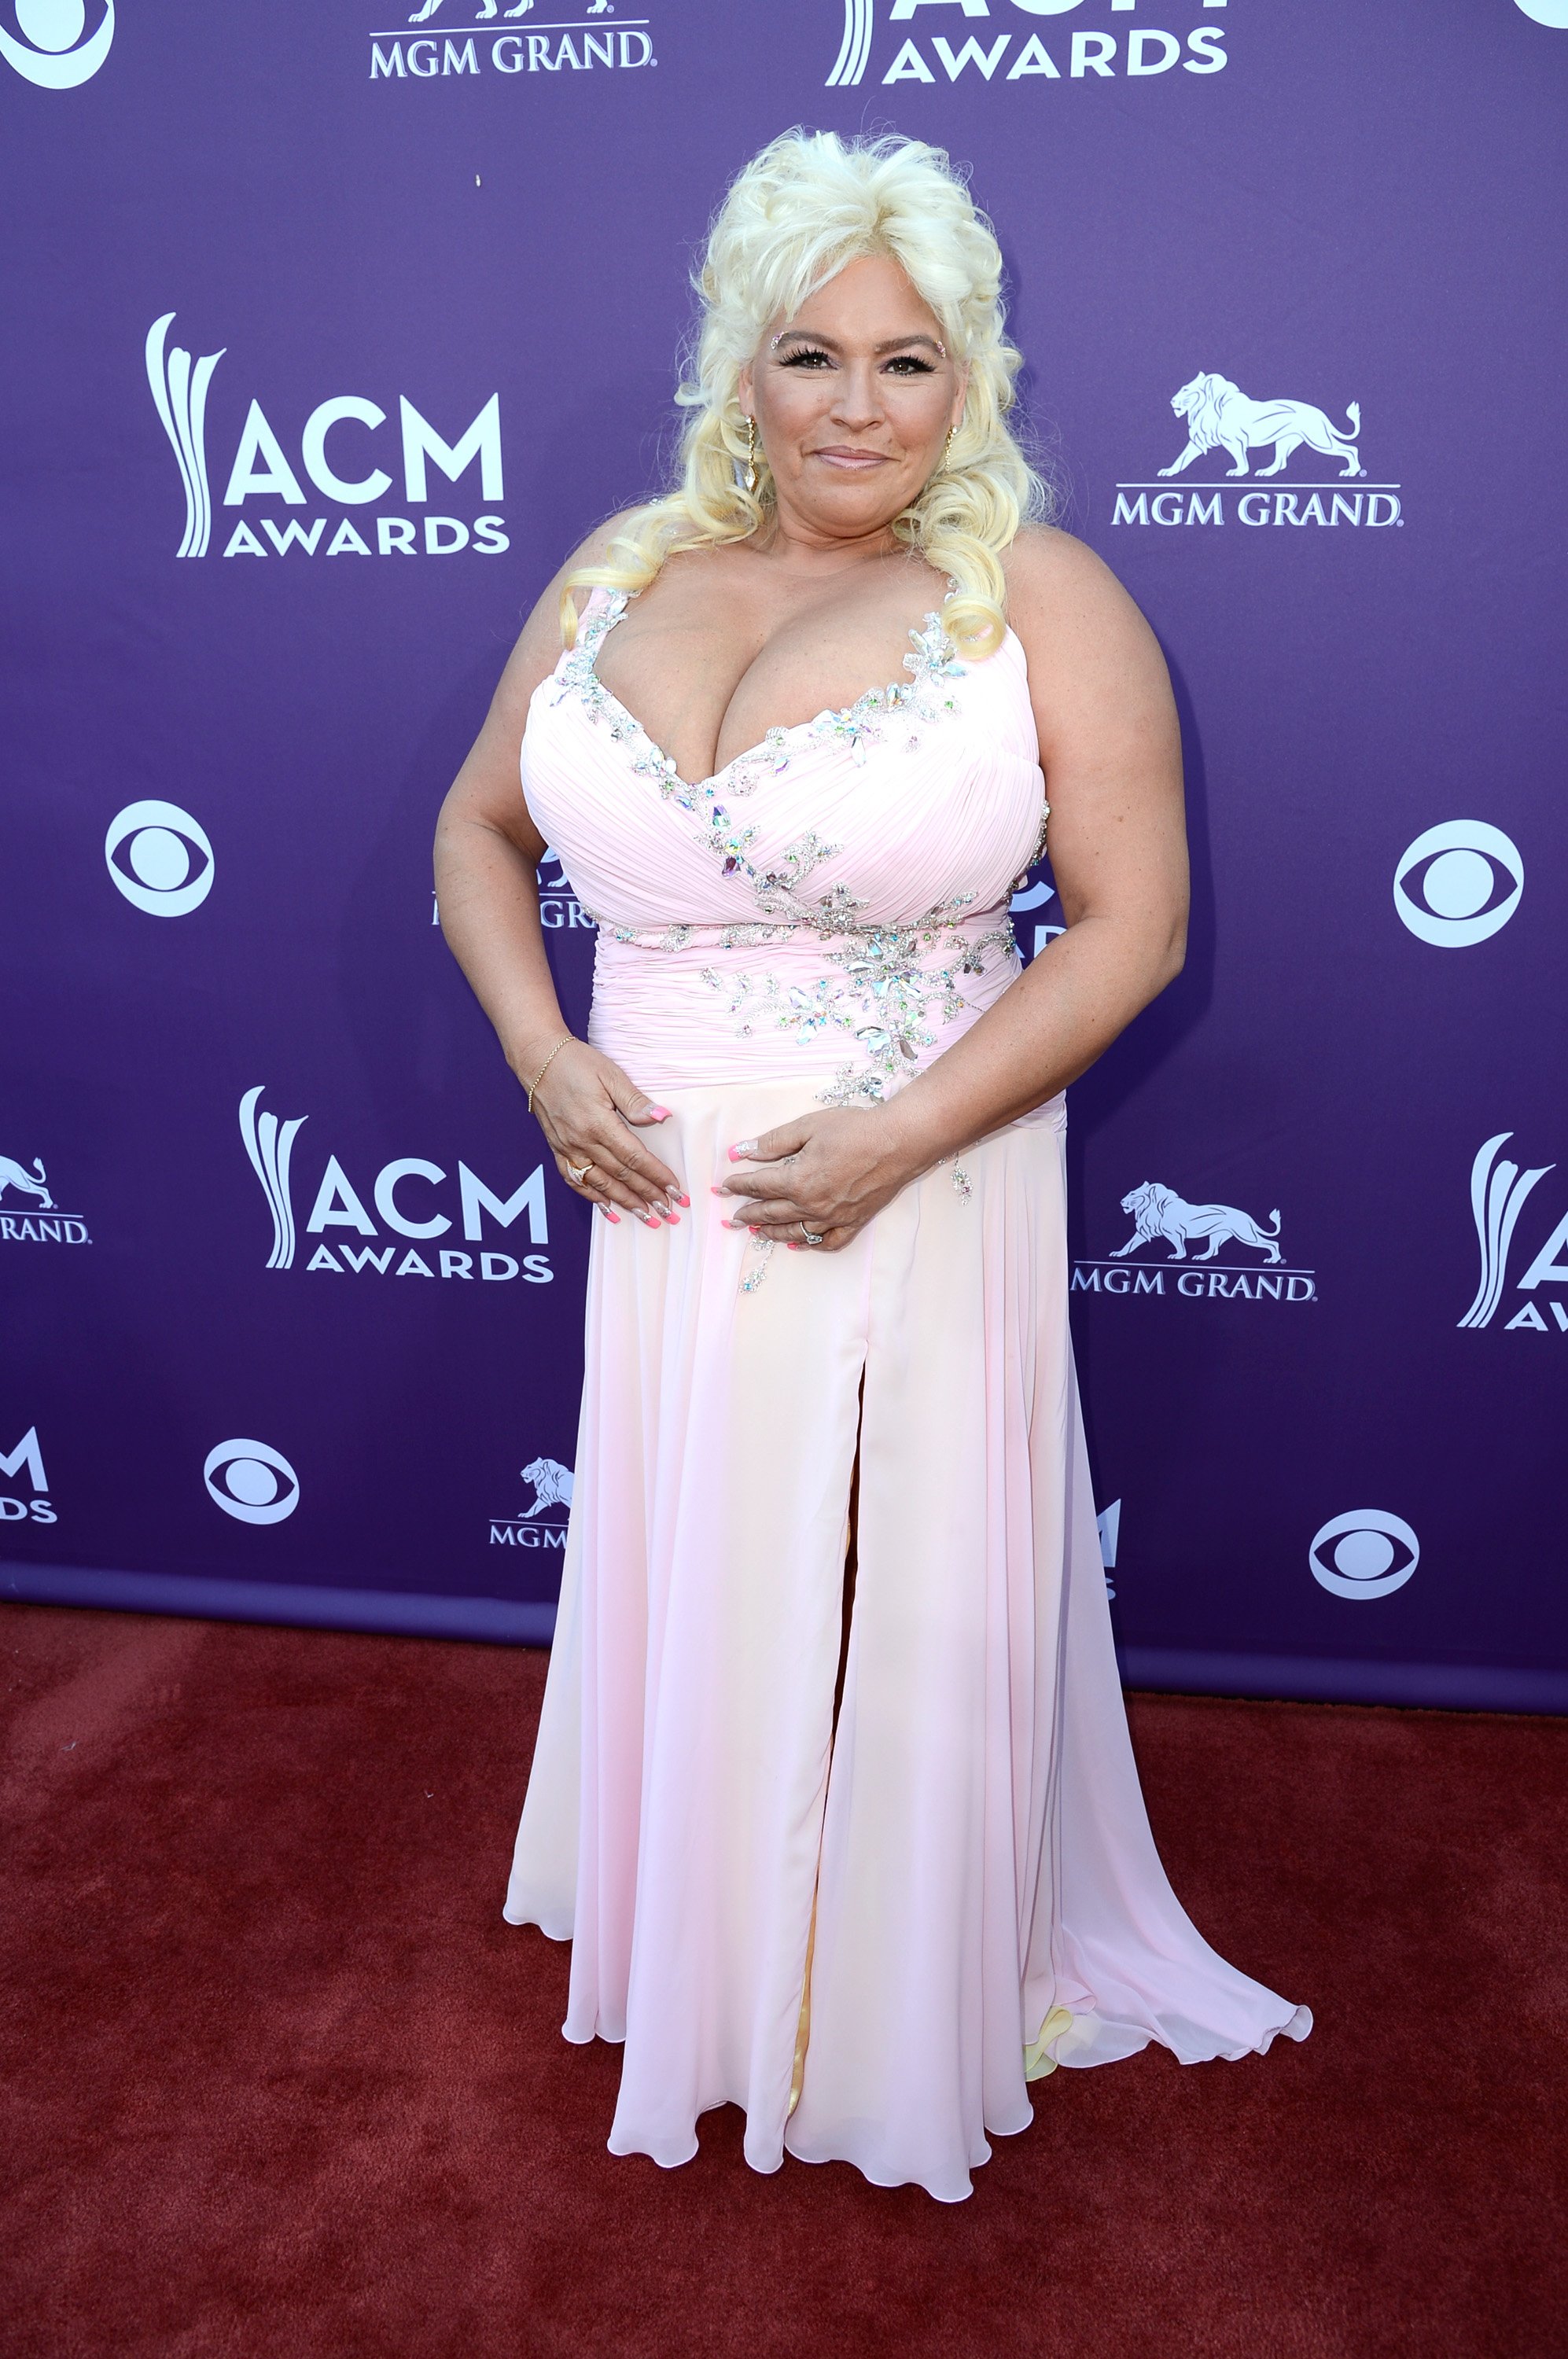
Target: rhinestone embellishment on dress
x,y
883,988
887,983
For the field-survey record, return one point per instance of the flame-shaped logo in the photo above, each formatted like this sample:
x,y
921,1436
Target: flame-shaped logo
x,y
269,1144
1497,1191
180,394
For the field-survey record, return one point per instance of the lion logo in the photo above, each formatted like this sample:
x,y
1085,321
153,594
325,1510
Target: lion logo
x,y
12,1175
1220,417
1159,1212
552,1484
488,8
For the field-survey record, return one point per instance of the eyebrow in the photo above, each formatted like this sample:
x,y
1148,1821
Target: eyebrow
x,y
894,345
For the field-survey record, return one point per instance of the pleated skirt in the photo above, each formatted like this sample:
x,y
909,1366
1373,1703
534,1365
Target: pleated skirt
x,y
869,1931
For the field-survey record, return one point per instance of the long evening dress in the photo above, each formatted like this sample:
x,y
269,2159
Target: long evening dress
x,y
869,1934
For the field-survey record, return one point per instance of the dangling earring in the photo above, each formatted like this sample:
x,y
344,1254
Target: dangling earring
x,y
947,447
749,476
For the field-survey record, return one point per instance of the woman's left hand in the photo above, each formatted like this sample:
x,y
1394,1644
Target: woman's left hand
x,y
826,1173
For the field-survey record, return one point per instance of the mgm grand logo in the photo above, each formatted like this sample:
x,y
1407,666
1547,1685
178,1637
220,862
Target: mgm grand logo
x,y
542,1523
28,1214
447,38
1224,428
1162,1217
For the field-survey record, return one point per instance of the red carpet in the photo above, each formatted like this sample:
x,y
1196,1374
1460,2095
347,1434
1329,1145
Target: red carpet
x,y
281,2085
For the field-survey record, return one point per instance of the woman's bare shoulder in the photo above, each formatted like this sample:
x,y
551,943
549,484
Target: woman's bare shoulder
x,y
538,648
1060,590
1043,565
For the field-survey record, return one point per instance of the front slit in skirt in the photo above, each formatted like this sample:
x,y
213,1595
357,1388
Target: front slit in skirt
x,y
988,1899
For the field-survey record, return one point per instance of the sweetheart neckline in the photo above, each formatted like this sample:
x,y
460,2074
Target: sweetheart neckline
x,y
618,602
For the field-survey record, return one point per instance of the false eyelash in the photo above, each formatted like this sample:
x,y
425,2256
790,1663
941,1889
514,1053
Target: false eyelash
x,y
814,352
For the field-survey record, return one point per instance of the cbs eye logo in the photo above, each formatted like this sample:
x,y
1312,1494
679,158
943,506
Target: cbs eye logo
x,y
252,1482
1363,1552
1458,883
53,51
160,858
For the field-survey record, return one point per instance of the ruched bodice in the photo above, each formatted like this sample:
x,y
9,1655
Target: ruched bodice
x,y
833,901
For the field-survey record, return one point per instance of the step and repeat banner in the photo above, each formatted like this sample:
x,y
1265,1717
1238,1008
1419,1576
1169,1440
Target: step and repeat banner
x,y
332,326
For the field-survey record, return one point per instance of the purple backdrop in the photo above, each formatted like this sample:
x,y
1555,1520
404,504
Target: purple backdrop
x,y
331,331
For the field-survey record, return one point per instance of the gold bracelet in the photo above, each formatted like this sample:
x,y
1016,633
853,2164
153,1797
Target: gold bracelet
x,y
532,1086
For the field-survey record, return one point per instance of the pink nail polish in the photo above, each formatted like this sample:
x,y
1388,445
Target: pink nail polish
x,y
716,1191
730,1225
609,1215
685,1201
659,1114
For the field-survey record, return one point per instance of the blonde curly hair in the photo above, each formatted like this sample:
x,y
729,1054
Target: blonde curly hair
x,y
809,203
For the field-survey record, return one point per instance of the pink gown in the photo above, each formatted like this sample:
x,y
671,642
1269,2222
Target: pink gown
x,y
871,1937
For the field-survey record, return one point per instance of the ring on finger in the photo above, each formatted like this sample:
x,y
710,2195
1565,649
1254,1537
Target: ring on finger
x,y
811,1235
578,1172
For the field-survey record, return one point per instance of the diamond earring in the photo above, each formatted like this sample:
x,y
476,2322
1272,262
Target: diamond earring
x,y
749,476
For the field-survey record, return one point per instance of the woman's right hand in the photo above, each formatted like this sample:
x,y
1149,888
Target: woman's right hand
x,y
590,1113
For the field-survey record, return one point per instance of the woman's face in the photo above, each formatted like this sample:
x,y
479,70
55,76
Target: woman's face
x,y
853,398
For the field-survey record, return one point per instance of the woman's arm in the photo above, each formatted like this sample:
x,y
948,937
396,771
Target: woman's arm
x,y
1111,750
487,852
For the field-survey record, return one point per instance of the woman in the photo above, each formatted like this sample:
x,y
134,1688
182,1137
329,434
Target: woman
x,y
833,1793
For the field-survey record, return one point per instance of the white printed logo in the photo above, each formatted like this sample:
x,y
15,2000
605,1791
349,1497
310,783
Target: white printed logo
x,y
1220,417
337,1204
160,858
1037,896
1159,1212
46,1224
1498,1190
1160,1216
54,53
1014,55
1459,883
1224,423
1109,1524
1364,1560
1552,12
27,1458
251,1481
542,1523
565,45
263,471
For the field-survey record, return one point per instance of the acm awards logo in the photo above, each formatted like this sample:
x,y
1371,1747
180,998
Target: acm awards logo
x,y
1006,50
1162,1218
1225,427
542,1523
62,43
338,435
27,1501
1500,1190
485,40
405,1203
